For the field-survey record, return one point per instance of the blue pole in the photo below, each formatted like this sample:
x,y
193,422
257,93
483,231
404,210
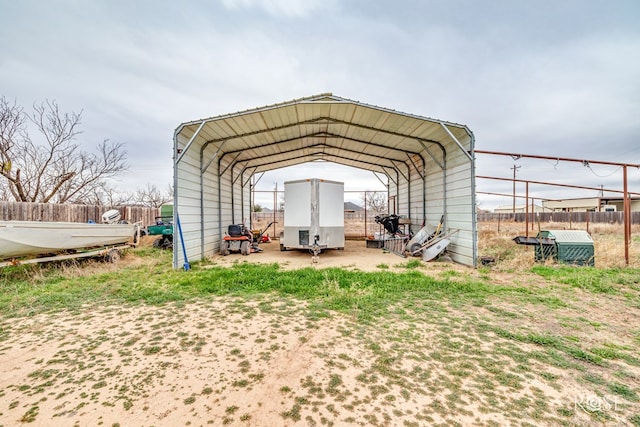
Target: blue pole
x,y
184,250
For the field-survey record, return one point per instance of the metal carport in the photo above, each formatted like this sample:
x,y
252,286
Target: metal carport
x,y
429,164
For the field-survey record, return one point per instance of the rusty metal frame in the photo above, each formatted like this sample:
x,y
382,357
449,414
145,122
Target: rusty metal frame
x,y
626,194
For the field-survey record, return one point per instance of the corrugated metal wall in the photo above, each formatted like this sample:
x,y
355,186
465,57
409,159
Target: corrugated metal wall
x,y
460,209
460,214
187,205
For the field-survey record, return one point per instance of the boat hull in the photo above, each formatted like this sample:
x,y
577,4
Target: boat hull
x,y
24,238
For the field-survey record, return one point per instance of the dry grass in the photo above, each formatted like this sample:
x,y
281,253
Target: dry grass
x,y
495,239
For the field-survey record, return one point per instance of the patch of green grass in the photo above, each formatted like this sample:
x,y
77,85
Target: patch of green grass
x,y
293,413
342,290
624,391
594,378
31,414
411,264
241,383
550,301
152,350
595,280
613,352
501,312
553,342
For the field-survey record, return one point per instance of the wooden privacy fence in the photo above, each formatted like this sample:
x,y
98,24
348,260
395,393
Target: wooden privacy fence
x,y
52,212
594,217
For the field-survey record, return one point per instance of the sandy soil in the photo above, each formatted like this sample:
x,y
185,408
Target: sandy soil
x,y
258,364
272,362
355,255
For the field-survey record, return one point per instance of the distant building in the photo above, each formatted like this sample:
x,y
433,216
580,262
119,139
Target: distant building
x,y
352,207
590,204
521,209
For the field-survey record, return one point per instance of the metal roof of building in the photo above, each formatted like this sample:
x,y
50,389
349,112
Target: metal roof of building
x,y
321,128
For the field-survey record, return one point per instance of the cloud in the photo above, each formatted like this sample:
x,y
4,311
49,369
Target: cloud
x,y
278,8
543,78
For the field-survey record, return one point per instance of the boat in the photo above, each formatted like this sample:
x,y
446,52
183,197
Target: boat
x,y
32,238
38,238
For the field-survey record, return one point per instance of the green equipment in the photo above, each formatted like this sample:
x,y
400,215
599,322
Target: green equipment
x,y
163,227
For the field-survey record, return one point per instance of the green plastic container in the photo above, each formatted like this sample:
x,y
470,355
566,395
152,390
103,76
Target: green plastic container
x,y
164,223
166,211
573,247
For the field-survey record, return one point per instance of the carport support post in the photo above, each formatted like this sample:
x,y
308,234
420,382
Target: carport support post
x,y
533,212
365,214
626,207
526,210
275,208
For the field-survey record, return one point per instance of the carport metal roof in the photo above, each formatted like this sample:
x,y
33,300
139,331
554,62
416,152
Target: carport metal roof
x,y
321,127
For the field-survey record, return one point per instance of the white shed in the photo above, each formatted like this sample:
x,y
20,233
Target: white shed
x,y
429,164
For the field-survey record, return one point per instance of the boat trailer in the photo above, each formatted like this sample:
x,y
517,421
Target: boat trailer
x,y
110,254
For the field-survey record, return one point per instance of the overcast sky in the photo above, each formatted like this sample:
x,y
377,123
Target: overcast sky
x,y
554,78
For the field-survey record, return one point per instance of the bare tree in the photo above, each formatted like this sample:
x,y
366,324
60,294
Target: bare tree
x,y
152,197
375,201
57,169
107,196
12,126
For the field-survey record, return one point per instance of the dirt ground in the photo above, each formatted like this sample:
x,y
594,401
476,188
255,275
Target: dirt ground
x,y
267,362
355,255
262,363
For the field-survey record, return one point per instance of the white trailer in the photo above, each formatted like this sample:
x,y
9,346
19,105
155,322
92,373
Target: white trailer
x,y
313,215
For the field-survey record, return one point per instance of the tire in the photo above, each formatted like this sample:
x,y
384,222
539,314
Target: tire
x,y
245,248
158,242
112,256
282,248
166,243
224,248
414,248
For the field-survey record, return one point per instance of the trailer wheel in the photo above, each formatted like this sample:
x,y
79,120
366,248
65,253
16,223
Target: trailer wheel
x,y
224,248
112,256
245,249
414,248
282,248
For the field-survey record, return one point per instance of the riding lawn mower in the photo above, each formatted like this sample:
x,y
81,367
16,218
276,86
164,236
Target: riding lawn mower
x,y
240,239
